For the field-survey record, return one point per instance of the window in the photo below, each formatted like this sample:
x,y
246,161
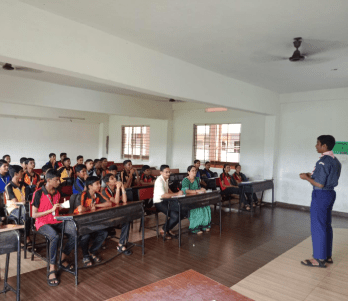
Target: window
x,y
217,143
136,142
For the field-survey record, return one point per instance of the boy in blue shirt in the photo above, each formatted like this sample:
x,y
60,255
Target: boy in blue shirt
x,y
4,180
324,179
79,184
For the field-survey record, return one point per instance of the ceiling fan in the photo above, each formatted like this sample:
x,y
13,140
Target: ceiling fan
x,y
10,67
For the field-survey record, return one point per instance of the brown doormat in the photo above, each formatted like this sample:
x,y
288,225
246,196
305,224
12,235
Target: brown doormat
x,y
189,285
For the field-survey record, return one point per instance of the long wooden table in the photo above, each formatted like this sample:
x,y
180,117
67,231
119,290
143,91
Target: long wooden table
x,y
195,201
10,242
255,186
89,222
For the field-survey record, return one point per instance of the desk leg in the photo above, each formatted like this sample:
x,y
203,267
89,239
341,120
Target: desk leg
x,y
272,196
61,246
76,263
251,203
179,225
165,225
220,205
143,234
18,289
6,272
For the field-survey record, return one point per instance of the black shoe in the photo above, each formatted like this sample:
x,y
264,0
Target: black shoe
x,y
125,252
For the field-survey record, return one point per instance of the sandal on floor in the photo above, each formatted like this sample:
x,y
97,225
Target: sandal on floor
x,y
96,258
124,251
165,235
52,282
86,261
329,260
308,263
70,267
246,208
207,230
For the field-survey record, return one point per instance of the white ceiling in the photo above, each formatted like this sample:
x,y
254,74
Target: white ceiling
x,y
242,39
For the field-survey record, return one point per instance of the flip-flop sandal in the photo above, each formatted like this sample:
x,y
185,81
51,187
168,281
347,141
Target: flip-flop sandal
x,y
52,282
86,261
329,260
308,263
166,236
125,251
96,258
70,267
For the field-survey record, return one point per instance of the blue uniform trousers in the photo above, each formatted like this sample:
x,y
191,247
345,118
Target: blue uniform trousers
x,y
321,208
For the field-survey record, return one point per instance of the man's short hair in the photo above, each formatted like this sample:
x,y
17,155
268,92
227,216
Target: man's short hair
x,y
125,162
96,161
62,154
196,161
15,169
91,180
45,168
163,167
106,179
51,155
4,156
145,167
112,167
88,160
22,160
28,160
102,159
79,157
328,140
208,162
80,167
65,159
52,173
2,162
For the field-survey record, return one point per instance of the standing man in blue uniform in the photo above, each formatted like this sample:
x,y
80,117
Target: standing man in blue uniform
x,y
324,179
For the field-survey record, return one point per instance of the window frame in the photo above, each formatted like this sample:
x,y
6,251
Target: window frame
x,y
214,164
133,156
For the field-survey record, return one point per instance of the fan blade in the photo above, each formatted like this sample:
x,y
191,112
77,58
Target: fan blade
x,y
313,47
28,70
267,58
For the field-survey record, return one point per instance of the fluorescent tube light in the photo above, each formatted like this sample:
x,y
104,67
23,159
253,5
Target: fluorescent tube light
x,y
210,110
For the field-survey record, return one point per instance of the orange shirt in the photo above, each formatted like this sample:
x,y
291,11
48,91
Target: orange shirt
x,y
86,200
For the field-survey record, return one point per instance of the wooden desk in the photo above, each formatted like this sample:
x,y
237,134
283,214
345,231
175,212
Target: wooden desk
x,y
103,218
255,186
195,201
10,242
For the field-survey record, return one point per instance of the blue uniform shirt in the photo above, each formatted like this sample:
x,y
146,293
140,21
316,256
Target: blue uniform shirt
x,y
327,172
79,186
4,180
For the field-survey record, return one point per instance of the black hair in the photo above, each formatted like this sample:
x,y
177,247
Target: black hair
x,y
208,162
190,167
163,167
28,160
223,170
45,168
80,167
106,179
102,159
237,165
96,161
65,159
22,160
88,160
15,169
91,180
126,161
2,162
52,173
112,167
79,157
328,140
145,167
51,155
4,156
195,161
62,154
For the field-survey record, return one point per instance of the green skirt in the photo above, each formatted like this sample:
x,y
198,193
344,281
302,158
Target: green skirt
x,y
200,219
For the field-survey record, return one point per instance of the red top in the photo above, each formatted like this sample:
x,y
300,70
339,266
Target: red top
x,y
146,179
43,201
60,164
237,177
225,180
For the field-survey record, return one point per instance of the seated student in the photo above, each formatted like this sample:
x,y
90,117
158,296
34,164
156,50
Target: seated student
x,y
7,158
45,206
199,218
15,192
79,160
5,178
112,192
239,178
206,172
97,167
162,190
81,176
52,162
22,163
62,157
42,182
90,168
66,172
112,169
90,200
146,177
197,164
129,176
103,166
228,184
31,178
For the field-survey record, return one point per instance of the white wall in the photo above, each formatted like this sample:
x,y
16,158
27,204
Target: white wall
x,y
304,117
252,137
158,139
37,138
